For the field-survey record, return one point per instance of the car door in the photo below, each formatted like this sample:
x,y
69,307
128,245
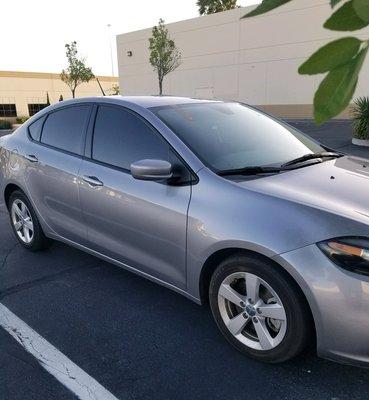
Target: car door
x,y
139,223
54,158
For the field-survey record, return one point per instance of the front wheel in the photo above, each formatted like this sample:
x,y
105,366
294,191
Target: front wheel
x,y
259,309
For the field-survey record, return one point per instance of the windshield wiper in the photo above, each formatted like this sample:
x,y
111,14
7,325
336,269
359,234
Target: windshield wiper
x,y
307,157
288,166
252,170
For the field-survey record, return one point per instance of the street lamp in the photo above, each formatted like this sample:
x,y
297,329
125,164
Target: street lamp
x,y
111,49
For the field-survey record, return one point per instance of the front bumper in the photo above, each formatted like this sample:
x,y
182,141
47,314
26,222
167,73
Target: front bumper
x,y
339,301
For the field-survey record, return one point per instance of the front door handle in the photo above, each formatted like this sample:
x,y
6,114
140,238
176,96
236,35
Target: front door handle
x,y
32,158
92,181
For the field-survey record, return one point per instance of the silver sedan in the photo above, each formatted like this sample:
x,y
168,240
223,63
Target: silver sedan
x,y
215,200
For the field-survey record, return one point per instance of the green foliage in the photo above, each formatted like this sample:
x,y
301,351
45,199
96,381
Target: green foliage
x,y
214,6
77,72
341,59
265,6
334,2
22,120
360,116
345,19
330,56
115,90
361,8
164,55
338,87
4,124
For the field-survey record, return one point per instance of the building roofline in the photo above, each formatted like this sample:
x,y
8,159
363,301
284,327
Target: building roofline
x,y
46,75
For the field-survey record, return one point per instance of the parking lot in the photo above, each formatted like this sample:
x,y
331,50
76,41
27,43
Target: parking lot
x,y
139,340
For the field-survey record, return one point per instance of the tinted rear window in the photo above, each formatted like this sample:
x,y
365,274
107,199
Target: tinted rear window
x,y
65,129
36,128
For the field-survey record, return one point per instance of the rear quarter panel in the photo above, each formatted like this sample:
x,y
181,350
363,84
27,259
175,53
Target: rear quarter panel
x,y
12,163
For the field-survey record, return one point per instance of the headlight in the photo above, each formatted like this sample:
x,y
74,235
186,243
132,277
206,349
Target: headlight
x,y
351,253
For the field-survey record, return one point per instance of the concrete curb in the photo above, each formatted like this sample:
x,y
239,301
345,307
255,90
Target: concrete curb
x,y
360,142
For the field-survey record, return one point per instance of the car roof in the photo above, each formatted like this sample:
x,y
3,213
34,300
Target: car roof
x,y
157,101
142,101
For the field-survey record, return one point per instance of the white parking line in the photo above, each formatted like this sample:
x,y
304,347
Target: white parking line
x,y
50,358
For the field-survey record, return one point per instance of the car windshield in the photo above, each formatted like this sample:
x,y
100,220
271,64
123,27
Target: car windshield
x,y
228,136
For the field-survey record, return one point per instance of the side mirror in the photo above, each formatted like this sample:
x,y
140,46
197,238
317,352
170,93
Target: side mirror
x,y
152,170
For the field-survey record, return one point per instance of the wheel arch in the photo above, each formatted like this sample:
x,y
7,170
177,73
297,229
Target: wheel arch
x,y
9,189
219,256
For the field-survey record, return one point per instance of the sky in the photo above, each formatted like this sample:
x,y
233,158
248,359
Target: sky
x,y
34,32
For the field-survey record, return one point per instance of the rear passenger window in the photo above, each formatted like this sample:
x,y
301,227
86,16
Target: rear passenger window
x,y
121,138
36,128
65,129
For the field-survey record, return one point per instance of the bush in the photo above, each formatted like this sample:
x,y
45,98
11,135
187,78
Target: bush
x,y
21,120
5,124
360,116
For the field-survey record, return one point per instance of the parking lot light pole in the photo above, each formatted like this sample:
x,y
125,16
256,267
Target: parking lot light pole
x,y
111,49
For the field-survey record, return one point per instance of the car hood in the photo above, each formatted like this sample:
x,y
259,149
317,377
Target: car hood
x,y
339,186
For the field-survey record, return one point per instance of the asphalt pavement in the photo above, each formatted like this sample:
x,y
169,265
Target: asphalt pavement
x,y
137,339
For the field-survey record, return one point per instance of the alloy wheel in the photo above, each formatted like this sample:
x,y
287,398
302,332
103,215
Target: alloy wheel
x,y
252,311
22,221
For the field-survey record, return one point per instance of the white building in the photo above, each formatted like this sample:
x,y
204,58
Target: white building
x,y
254,60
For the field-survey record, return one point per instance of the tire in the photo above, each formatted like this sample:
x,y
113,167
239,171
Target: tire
x,y
22,218
249,326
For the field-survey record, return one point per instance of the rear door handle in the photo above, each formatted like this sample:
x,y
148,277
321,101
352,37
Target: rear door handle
x,y
92,181
32,158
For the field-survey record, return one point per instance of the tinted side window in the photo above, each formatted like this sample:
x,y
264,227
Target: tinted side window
x,y
36,128
121,138
65,128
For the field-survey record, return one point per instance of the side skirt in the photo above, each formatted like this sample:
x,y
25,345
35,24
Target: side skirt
x,y
126,267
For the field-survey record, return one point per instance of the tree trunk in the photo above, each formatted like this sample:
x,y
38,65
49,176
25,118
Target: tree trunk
x,y
73,93
160,86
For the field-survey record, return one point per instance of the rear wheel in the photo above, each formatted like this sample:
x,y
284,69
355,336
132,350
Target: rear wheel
x,y
258,309
25,223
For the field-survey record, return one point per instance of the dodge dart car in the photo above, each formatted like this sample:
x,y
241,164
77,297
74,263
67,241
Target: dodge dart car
x,y
215,200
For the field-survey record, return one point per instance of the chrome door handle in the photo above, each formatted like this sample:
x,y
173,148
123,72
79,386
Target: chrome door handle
x,y
32,158
92,181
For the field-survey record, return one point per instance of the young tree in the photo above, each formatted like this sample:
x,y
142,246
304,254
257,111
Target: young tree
x,y
341,60
164,55
77,72
214,6
115,90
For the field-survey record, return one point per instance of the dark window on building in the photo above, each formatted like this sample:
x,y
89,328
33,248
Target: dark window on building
x,y
35,108
65,129
8,110
121,138
36,128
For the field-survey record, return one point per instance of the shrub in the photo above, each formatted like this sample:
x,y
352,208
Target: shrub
x,y
5,124
360,116
22,120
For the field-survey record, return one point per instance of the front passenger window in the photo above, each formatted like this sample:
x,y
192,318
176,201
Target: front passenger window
x,y
121,138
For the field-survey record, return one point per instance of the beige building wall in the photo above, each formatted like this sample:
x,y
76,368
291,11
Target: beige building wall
x,y
23,88
253,60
